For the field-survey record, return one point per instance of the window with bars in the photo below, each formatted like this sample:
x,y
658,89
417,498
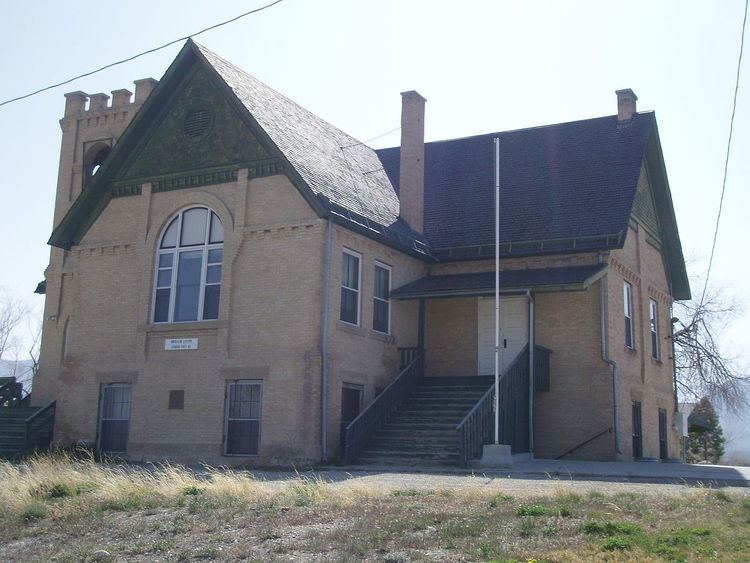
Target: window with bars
x,y
653,311
627,298
114,417
188,268
381,299
242,417
350,286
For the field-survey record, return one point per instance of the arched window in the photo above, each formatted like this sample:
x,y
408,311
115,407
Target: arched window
x,y
188,268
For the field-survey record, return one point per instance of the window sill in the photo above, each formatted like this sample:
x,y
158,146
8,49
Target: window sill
x,y
183,327
382,336
630,350
350,328
657,361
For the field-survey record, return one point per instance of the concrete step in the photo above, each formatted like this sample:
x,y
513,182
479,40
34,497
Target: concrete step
x,y
422,425
399,457
412,434
413,447
426,418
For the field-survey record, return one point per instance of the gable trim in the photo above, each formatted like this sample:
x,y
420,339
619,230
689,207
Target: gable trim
x,y
91,203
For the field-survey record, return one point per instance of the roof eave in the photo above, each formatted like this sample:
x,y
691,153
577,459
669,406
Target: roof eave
x,y
675,260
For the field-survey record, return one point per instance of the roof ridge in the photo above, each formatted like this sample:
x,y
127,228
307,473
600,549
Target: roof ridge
x,y
520,129
242,71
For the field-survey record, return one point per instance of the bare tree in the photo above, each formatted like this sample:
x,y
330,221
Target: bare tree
x,y
12,313
704,367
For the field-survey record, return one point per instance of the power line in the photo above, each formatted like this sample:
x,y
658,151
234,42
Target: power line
x,y
110,65
370,140
726,159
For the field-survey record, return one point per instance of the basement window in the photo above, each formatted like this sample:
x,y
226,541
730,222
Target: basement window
x,y
242,418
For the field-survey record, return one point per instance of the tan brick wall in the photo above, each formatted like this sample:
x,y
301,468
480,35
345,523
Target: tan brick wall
x,y
269,327
641,377
451,327
358,354
579,403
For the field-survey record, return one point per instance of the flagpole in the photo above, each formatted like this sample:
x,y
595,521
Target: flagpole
x,y
497,291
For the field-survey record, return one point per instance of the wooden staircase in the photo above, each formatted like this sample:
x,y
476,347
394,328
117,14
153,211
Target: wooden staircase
x,y
23,428
422,430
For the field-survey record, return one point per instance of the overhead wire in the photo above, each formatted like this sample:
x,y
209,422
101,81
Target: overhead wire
x,y
141,54
726,159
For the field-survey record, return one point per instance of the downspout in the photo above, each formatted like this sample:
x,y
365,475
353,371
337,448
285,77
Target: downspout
x,y
605,356
324,345
532,344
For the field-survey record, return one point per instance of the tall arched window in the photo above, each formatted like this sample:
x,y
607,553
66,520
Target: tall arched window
x,y
188,268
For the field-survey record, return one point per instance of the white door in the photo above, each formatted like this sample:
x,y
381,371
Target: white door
x,y
514,332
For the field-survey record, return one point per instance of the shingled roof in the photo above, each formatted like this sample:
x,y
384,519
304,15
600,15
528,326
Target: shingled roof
x,y
332,163
561,181
563,187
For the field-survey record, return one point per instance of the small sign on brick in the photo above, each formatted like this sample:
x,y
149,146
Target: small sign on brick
x,y
181,344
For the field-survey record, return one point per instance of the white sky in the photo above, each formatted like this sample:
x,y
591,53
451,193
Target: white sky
x,y
483,66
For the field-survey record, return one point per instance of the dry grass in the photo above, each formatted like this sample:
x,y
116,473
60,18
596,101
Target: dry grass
x,y
58,507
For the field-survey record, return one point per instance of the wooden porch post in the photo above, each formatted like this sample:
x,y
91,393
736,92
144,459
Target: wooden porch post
x,y
420,328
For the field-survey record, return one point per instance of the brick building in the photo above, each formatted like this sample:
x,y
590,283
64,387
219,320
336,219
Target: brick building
x,y
234,280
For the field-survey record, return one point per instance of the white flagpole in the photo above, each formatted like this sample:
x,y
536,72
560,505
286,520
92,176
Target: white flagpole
x,y
497,291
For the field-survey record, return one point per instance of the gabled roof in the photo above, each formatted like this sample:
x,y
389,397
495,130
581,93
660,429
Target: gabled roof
x,y
330,162
569,180
564,187
327,165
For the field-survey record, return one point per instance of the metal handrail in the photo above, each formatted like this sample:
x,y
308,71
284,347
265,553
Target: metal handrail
x,y
373,416
476,427
40,411
476,407
571,450
28,430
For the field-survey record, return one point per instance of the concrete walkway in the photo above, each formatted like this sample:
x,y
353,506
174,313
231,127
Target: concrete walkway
x,y
721,475
544,469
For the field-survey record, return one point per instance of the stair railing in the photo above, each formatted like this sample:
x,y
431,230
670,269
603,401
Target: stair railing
x,y
372,418
39,428
11,392
478,427
585,443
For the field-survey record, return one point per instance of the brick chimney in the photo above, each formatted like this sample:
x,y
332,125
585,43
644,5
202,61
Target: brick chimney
x,y
411,176
625,104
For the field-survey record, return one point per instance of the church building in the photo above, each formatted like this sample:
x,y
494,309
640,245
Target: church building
x,y
233,280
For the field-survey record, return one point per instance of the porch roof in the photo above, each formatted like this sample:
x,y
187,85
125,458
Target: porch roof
x,y
567,278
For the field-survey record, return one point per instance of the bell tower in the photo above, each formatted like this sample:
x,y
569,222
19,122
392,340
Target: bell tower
x,y
90,127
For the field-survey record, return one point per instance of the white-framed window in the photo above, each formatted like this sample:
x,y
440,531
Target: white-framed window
x,y
242,417
627,298
187,283
653,313
351,274
381,298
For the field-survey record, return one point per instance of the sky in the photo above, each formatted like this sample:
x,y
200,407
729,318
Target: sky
x,y
483,66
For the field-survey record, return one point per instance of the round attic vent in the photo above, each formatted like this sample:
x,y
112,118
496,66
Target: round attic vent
x,y
197,123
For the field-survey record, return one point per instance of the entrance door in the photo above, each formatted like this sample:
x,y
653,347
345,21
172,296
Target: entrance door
x,y
663,434
114,417
514,332
637,431
351,405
